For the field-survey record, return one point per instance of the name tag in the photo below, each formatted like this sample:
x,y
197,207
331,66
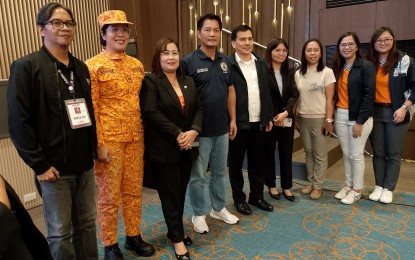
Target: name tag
x,y
78,113
202,70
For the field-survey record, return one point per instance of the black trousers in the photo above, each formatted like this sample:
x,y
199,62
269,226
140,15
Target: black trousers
x,y
171,181
250,141
285,138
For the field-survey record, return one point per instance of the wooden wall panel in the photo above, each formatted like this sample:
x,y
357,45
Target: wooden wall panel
x,y
358,18
19,37
152,20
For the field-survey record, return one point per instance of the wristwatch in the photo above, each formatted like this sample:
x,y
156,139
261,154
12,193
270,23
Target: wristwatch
x,y
405,106
329,120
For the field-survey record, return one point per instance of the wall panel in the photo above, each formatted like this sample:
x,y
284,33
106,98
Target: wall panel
x,y
18,34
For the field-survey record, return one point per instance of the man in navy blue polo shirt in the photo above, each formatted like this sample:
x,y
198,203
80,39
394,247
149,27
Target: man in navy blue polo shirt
x,y
211,72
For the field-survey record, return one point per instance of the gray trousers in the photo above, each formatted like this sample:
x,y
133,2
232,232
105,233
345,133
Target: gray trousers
x,y
387,141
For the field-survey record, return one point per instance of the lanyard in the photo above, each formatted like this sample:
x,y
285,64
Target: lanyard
x,y
70,83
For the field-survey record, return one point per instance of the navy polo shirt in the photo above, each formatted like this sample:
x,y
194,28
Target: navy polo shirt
x,y
212,79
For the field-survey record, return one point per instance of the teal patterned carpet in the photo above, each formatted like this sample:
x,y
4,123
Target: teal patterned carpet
x,y
305,229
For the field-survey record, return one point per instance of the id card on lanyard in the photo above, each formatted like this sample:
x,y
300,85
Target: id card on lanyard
x,y
76,108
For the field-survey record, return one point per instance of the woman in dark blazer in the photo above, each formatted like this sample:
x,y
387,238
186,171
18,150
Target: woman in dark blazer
x,y
172,117
284,95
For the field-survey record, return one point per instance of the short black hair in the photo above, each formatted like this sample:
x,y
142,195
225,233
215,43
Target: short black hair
x,y
209,16
103,31
240,28
45,12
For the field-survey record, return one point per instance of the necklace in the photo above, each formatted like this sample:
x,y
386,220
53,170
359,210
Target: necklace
x,y
382,62
347,67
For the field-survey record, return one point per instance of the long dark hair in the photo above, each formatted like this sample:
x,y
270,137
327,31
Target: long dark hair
x,y
268,55
304,63
161,46
373,55
338,59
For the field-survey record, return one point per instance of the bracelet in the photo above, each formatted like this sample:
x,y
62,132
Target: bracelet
x,y
329,120
405,106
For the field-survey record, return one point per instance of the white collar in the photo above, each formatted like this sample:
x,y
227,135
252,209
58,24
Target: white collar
x,y
238,59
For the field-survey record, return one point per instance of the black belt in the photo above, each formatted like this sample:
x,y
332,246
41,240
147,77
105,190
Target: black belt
x,y
378,104
255,125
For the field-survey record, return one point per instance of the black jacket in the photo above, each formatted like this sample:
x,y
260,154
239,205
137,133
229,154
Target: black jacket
x,y
36,123
401,79
289,96
164,117
19,237
361,90
241,90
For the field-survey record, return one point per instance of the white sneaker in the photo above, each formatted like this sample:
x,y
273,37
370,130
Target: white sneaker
x,y
386,197
199,223
225,216
377,192
342,193
351,197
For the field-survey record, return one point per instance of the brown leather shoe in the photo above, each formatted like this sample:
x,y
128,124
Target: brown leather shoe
x,y
316,194
307,189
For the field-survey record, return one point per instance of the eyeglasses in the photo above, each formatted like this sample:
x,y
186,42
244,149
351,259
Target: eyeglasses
x,y
347,44
386,41
58,24
168,53
116,30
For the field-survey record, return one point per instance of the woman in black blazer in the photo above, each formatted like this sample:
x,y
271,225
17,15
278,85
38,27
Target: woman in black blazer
x,y
172,117
284,95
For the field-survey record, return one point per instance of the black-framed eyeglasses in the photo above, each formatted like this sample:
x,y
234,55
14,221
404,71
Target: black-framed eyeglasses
x,y
386,41
347,44
58,24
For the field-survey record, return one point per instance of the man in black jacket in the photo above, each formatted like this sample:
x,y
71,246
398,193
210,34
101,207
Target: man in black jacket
x,y
253,118
51,124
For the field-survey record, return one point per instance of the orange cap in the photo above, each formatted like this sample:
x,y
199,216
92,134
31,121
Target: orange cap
x,y
112,17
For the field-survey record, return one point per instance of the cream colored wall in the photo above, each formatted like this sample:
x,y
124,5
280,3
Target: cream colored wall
x,y
18,35
17,173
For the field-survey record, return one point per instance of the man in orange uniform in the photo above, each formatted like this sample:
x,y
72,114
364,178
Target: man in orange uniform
x,y
116,82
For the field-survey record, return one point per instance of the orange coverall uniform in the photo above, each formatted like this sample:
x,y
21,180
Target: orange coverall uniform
x,y
115,85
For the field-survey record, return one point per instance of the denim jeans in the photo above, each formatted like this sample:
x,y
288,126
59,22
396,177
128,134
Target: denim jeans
x,y
353,148
387,141
70,211
212,150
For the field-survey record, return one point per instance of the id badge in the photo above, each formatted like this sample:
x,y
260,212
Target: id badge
x,y
77,113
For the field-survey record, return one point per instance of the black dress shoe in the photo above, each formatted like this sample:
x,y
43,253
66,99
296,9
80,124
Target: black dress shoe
x,y
289,197
261,204
113,252
274,196
243,208
185,256
187,241
141,247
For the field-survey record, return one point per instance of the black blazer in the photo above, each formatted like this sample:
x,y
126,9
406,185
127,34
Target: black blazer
x,y
241,89
164,117
289,96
